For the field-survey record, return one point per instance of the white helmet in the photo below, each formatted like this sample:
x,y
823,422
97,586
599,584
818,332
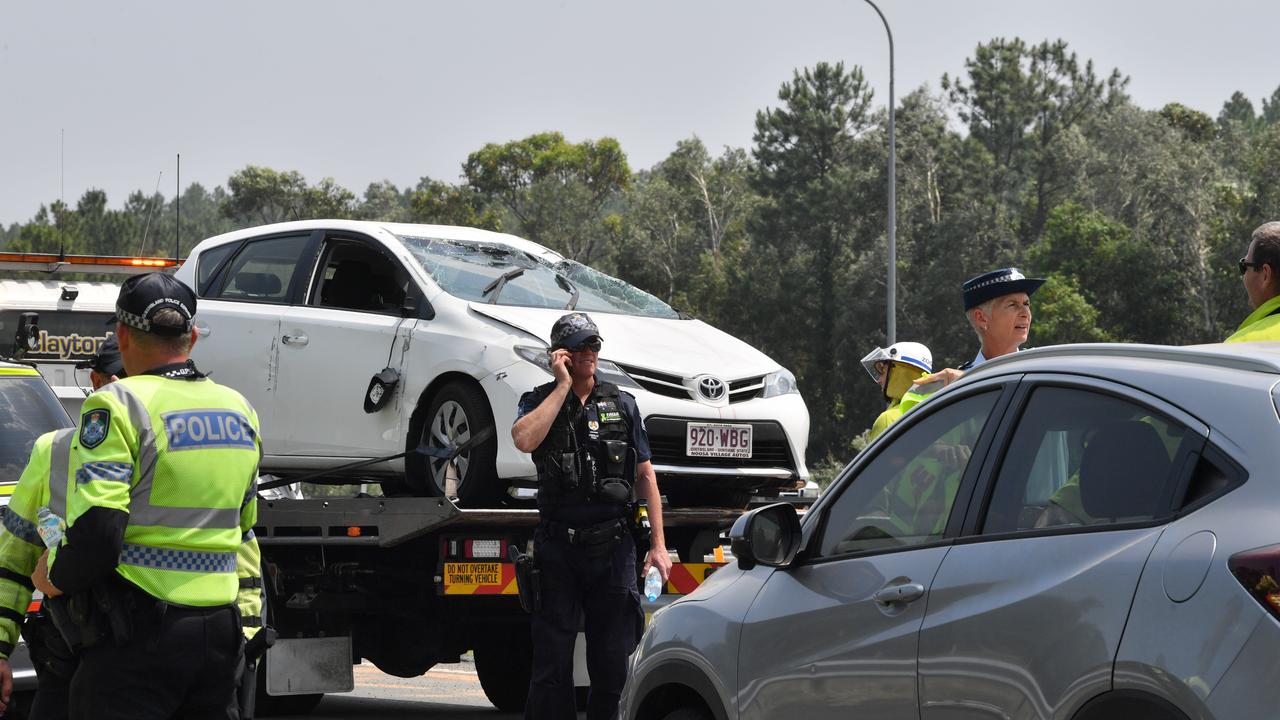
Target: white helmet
x,y
911,353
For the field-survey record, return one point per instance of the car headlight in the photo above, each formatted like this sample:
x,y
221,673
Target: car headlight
x,y
539,356
781,382
614,374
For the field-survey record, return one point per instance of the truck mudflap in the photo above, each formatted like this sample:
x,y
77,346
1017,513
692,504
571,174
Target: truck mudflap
x,y
306,666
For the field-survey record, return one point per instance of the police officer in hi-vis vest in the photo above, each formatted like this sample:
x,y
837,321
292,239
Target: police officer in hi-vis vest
x,y
43,484
589,445
164,465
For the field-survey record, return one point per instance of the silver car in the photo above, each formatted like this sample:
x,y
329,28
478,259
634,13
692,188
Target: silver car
x,y
1079,533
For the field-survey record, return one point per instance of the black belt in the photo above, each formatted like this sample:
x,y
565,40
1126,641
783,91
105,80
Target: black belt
x,y
606,532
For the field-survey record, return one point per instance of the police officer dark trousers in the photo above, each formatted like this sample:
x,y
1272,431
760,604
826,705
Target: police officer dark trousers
x,y
592,454
164,465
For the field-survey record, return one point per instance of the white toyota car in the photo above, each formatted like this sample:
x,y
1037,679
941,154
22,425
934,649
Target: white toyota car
x,y
359,340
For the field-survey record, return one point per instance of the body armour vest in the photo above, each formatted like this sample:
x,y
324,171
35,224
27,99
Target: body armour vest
x,y
599,467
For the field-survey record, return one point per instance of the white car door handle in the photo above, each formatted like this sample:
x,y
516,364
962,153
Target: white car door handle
x,y
903,593
299,339
202,330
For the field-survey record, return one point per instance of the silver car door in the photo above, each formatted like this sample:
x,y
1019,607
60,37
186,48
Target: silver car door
x,y
835,635
1026,613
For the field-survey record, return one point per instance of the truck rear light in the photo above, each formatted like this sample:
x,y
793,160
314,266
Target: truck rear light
x,y
484,549
1259,572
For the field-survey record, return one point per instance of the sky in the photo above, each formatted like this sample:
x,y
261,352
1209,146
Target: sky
x,y
107,94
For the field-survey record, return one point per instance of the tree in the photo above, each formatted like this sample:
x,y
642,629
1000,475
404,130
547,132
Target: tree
x,y
1197,126
1238,109
1271,108
555,191
383,201
809,286
683,220
1022,103
262,195
438,202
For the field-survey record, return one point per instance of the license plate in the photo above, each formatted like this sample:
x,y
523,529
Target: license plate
x,y
717,440
479,578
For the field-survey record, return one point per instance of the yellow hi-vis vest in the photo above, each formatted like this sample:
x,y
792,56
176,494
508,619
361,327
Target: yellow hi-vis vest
x,y
1262,324
43,484
180,456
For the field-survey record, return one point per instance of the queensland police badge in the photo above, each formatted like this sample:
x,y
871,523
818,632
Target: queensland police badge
x,y
94,426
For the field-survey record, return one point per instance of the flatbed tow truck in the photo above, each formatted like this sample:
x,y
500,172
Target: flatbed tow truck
x,y
407,583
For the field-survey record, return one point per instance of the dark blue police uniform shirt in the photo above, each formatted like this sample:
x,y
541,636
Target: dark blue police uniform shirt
x,y
590,513
639,437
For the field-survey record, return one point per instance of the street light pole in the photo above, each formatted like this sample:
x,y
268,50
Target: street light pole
x,y
891,280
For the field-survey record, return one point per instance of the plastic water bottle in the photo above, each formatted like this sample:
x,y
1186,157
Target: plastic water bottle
x,y
50,526
653,584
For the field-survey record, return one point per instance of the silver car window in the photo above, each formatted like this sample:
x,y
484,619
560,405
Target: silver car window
x,y
1082,458
905,495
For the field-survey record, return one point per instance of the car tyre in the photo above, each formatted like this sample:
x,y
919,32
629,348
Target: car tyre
x,y
685,714
456,412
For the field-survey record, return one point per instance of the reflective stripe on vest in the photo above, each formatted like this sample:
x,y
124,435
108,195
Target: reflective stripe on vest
x,y
22,528
59,469
184,560
141,511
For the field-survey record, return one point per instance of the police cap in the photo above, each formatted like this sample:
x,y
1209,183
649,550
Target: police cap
x,y
108,360
572,330
997,283
142,296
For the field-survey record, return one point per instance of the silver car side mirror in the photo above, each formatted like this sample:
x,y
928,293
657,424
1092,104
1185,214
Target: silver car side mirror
x,y
766,536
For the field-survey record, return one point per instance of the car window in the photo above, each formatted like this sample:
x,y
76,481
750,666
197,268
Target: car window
x,y
358,277
28,409
262,271
1082,458
904,495
208,263
475,271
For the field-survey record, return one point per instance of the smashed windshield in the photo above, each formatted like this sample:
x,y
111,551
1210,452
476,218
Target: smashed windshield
x,y
487,272
28,409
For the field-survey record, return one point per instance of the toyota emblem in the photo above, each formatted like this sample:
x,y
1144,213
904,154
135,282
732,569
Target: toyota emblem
x,y
711,388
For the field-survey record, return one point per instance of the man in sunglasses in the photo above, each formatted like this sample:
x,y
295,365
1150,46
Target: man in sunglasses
x,y
1260,273
592,453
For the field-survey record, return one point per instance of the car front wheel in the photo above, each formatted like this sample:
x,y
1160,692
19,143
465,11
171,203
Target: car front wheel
x,y
455,414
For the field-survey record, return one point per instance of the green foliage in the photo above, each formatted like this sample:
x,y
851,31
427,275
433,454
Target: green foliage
x,y
1197,126
440,203
1063,315
555,191
1134,216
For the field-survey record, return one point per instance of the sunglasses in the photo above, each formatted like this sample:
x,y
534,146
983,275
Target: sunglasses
x,y
1245,265
592,345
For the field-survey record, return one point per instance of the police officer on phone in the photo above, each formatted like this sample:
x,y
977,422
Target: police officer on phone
x,y
164,464
592,453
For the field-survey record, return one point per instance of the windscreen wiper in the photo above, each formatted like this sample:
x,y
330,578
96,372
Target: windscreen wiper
x,y
570,288
495,287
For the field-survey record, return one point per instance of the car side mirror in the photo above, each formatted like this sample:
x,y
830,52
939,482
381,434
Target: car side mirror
x,y
27,336
766,536
419,308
